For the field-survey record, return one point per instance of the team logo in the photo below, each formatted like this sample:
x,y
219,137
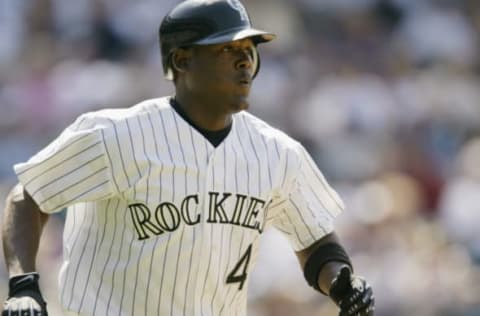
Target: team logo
x,y
240,8
244,211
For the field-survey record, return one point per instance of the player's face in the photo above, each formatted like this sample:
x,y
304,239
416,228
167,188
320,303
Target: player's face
x,y
222,73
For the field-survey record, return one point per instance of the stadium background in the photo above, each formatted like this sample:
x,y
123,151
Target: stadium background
x,y
385,94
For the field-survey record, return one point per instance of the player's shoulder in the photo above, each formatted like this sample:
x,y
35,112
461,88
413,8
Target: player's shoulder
x,y
115,116
266,132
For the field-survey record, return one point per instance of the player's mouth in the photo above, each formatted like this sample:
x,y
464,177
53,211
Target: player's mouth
x,y
245,81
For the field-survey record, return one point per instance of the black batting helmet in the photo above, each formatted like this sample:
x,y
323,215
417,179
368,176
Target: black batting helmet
x,y
204,22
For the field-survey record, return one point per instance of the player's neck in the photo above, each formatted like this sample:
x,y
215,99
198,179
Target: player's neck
x,y
203,114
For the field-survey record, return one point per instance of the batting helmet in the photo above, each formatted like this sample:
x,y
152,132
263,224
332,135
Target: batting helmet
x,y
204,22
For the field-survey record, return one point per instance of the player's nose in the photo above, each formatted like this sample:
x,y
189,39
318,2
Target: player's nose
x,y
244,60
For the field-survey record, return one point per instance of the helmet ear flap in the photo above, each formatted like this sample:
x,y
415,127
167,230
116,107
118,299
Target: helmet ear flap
x,y
255,61
168,70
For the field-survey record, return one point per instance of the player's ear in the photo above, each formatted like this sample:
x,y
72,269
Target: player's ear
x,y
181,59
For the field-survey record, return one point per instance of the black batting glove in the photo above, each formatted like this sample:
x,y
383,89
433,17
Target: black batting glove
x,y
352,294
24,297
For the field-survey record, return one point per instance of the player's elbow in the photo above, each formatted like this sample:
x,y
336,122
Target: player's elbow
x,y
19,199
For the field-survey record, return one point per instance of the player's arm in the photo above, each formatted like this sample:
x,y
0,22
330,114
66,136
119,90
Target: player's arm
x,y
23,224
328,269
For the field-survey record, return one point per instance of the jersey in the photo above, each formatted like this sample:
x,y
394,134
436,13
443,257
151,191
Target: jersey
x,y
159,221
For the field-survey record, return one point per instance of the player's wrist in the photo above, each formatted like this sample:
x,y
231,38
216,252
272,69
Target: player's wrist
x,y
26,284
18,282
24,296
324,264
334,269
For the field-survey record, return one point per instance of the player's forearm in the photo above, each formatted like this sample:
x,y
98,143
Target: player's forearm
x,y
22,227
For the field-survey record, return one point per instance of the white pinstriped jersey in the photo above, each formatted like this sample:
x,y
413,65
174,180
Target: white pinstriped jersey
x,y
159,221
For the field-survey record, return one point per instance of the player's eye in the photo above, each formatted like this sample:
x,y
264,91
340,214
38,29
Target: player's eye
x,y
227,49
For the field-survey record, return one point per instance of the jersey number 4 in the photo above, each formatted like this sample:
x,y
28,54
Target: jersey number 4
x,y
239,273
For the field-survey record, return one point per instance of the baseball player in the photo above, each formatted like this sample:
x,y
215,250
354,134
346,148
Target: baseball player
x,y
167,200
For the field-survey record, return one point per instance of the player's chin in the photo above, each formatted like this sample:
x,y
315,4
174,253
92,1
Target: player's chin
x,y
240,103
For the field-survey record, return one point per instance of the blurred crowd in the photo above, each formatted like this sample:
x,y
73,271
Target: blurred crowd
x,y
384,93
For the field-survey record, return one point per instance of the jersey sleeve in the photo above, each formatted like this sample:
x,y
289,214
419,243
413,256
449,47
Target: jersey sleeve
x,y
73,168
308,207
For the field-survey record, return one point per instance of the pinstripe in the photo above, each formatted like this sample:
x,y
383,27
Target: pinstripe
x,y
109,161
208,271
70,236
245,159
303,219
232,288
65,160
196,158
322,182
95,251
183,229
159,199
133,151
219,265
194,228
153,136
223,228
231,228
202,237
319,199
276,150
211,250
196,245
120,153
307,206
285,171
74,184
206,150
293,226
270,181
77,197
165,255
147,202
227,265
78,263
67,174
115,269
238,294
108,257
57,153
252,260
150,272
247,129
169,153
69,242
163,274
237,189
125,275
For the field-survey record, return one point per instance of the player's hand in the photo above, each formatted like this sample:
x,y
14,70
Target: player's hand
x,y
24,297
352,294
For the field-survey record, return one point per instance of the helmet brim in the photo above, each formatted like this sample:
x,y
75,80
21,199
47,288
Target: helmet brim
x,y
258,36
